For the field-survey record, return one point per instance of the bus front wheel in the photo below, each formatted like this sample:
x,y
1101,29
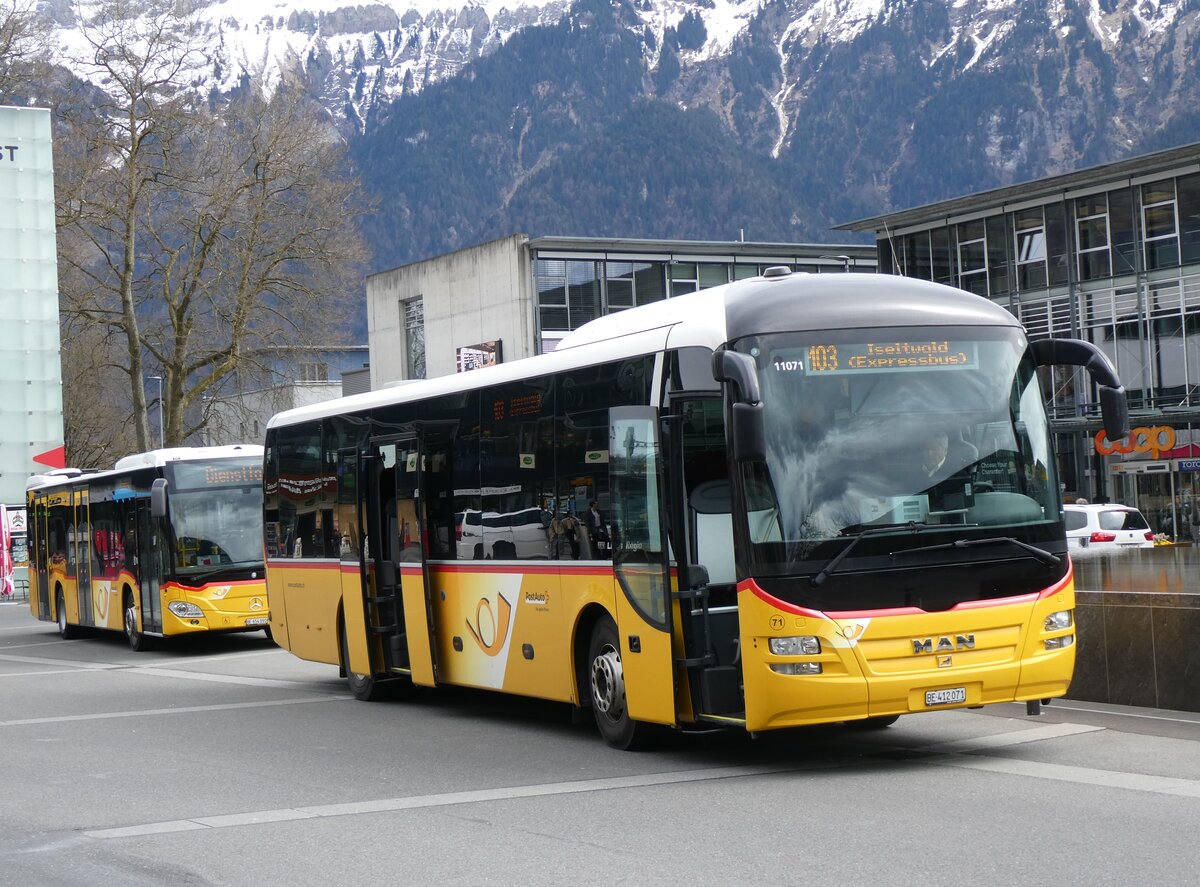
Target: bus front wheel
x,y
364,686
66,630
137,640
607,679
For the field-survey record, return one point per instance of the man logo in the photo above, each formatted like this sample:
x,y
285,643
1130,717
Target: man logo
x,y
943,644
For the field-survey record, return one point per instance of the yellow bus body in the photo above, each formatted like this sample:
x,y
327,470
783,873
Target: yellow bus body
x,y
514,629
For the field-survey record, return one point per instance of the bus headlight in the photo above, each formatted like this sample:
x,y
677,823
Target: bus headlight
x,y
1060,620
1060,643
805,645
796,667
184,609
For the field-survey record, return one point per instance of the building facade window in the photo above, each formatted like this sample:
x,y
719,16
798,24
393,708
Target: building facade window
x,y
1029,236
568,293
684,278
972,257
1160,225
1091,235
314,371
1188,197
414,337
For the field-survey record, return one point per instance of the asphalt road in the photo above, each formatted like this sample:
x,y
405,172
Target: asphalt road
x,y
228,761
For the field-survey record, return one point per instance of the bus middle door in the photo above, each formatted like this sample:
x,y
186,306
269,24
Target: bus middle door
x,y
395,533
640,563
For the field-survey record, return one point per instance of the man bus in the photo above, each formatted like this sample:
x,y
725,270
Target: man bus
x,y
771,563
165,544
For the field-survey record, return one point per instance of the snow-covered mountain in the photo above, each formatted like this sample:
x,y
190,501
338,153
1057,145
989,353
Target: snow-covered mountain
x,y
472,119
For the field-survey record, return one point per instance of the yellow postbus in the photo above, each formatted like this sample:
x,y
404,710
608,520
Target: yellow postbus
x,y
711,510
165,544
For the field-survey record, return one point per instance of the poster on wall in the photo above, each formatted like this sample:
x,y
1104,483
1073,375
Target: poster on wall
x,y
474,357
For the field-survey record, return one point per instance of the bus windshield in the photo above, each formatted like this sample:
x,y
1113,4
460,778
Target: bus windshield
x,y
216,514
897,436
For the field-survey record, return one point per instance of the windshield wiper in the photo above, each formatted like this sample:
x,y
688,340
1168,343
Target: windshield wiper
x,y
1041,554
877,530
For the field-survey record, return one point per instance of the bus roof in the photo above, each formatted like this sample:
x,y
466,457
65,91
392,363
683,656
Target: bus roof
x,y
152,459
710,317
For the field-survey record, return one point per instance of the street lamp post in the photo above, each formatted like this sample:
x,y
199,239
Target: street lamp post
x,y
159,379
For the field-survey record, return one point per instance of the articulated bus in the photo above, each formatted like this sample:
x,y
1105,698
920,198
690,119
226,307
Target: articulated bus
x,y
759,555
167,543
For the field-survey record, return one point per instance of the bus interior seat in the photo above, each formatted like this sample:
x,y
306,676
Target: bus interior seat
x,y
712,517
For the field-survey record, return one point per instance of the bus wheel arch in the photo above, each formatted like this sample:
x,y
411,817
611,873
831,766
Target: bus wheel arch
x,y
606,688
66,630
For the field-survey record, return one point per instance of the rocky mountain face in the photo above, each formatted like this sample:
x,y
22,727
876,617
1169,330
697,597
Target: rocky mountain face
x,y
709,118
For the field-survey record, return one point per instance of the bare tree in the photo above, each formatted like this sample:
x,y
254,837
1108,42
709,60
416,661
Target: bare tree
x,y
24,49
199,236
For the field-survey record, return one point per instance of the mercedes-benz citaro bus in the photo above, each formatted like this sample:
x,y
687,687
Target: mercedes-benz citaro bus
x,y
165,544
766,550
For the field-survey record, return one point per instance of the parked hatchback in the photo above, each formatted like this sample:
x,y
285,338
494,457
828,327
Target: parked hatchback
x,y
1106,527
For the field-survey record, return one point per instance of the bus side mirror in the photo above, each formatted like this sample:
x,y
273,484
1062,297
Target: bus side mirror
x,y
748,429
158,497
749,433
1114,408
738,368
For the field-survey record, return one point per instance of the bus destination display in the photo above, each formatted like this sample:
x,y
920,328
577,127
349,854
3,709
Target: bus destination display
x,y
877,357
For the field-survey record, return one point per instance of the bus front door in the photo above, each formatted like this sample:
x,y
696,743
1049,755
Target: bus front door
x,y
150,573
41,556
638,538
395,536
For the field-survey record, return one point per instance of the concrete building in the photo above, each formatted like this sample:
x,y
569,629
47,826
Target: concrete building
x,y
296,377
31,418
516,297
1110,254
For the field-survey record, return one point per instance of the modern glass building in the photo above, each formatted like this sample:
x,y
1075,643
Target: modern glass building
x,y
1110,254
31,419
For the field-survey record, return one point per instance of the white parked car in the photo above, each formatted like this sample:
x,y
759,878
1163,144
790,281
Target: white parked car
x,y
1106,527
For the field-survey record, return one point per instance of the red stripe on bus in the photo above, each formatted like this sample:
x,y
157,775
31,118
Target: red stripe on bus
x,y
451,567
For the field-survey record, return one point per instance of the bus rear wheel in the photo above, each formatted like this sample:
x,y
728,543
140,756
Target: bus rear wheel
x,y
137,640
66,630
607,679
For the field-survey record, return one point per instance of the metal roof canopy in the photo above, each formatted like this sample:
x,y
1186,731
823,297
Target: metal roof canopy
x,y
1180,160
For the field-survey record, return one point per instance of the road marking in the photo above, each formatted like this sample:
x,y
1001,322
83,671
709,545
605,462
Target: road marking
x,y
1016,737
1181,718
151,712
384,805
65,663
1138,782
965,755
158,672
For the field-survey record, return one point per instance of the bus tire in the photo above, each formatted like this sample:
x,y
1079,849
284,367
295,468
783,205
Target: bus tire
x,y
138,642
66,630
606,681
364,686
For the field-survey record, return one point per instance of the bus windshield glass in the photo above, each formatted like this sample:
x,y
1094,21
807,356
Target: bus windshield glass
x,y
216,514
908,433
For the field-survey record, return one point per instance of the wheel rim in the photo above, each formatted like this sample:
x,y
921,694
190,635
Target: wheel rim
x,y
608,683
130,620
62,616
